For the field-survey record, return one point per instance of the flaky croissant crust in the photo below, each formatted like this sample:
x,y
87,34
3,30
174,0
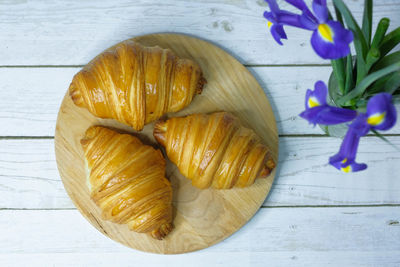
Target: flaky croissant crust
x,y
127,182
214,150
135,84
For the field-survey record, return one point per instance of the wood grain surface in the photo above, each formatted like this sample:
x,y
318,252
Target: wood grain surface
x,y
33,102
202,217
71,32
352,220
335,236
29,178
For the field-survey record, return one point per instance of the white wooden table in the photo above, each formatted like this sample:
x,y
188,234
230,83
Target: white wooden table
x,y
314,216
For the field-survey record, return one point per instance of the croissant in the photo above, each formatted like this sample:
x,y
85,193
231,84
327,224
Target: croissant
x,y
126,180
136,85
214,150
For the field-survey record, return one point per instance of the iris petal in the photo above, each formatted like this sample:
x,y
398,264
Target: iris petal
x,y
336,49
272,5
289,18
307,22
320,11
319,112
313,102
270,17
320,92
300,4
320,2
325,32
344,160
328,115
277,18
316,97
278,33
376,119
381,112
358,166
353,167
360,125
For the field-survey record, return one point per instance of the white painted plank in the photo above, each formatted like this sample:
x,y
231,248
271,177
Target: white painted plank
x,y
29,178
304,176
30,97
368,236
69,32
338,258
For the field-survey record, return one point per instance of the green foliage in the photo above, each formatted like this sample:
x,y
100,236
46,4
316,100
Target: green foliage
x,y
367,20
373,69
367,81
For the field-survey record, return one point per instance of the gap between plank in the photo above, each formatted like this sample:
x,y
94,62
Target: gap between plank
x,y
25,137
281,135
246,65
285,65
333,206
40,66
262,207
324,135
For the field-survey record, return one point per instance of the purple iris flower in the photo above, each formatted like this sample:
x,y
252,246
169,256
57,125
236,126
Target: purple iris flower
x,y
345,159
318,111
380,115
275,27
330,39
277,31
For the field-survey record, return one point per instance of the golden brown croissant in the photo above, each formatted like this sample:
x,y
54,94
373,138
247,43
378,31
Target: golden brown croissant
x,y
126,180
135,84
214,150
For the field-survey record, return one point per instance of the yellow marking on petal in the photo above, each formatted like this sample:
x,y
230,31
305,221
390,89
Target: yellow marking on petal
x,y
269,23
376,118
346,169
326,32
313,102
345,160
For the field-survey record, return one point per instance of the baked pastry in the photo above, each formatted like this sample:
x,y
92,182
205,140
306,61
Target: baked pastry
x,y
214,150
136,85
126,180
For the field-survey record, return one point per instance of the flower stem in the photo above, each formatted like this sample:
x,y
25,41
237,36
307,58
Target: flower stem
x,y
349,74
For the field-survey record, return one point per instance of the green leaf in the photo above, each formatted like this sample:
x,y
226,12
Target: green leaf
x,y
372,57
387,61
338,70
378,86
349,74
338,15
359,40
393,83
360,43
362,105
380,32
367,81
367,21
385,139
390,41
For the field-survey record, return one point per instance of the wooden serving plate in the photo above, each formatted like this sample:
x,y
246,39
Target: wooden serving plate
x,y
201,217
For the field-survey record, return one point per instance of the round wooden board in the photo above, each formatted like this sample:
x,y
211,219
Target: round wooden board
x,y
201,217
